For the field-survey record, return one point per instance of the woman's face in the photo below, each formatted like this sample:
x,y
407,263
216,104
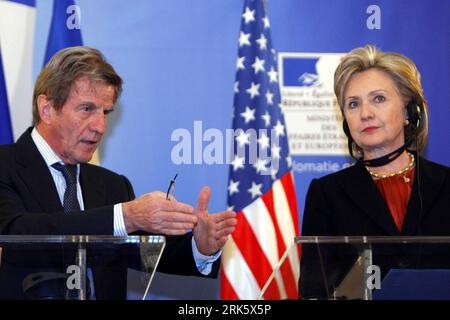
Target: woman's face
x,y
375,112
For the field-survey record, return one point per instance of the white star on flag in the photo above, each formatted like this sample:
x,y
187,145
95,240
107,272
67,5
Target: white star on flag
x,y
238,162
244,39
243,138
233,187
253,91
269,97
274,53
248,15
260,165
275,151
266,118
262,41
273,173
279,129
240,63
263,141
236,87
248,115
258,65
255,190
273,75
266,22
289,161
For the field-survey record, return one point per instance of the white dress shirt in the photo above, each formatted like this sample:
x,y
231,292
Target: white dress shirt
x,y
204,263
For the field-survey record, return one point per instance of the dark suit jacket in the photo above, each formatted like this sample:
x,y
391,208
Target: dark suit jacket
x,y
348,203
29,205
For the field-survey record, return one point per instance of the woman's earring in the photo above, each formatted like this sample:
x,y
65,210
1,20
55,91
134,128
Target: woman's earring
x,y
406,122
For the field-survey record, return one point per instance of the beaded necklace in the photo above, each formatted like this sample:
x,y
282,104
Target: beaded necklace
x,y
398,173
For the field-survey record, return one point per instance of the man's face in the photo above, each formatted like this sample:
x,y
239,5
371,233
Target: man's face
x,y
76,130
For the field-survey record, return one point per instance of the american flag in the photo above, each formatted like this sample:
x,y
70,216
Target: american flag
x,y
261,189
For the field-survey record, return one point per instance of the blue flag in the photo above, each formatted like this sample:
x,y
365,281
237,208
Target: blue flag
x,y
65,27
31,3
6,135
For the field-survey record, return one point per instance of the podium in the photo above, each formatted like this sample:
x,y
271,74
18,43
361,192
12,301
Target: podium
x,y
367,268
78,267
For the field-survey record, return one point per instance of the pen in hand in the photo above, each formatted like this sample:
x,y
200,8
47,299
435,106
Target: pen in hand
x,y
171,188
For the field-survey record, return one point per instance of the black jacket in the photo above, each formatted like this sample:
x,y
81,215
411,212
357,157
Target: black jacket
x,y
30,205
348,203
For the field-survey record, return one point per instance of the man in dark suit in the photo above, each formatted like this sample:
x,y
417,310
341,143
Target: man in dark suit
x,y
48,188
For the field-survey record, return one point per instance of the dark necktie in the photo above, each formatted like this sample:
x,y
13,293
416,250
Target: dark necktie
x,y
69,172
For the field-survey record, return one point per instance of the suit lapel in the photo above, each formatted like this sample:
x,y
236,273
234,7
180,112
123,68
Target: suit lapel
x,y
430,184
94,194
34,172
361,189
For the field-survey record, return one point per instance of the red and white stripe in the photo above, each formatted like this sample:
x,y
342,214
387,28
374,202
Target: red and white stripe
x,y
266,229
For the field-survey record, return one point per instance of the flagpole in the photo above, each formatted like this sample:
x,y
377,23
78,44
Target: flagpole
x,y
264,5
278,266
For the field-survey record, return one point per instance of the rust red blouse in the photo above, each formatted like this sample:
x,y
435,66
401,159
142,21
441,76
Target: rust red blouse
x,y
396,191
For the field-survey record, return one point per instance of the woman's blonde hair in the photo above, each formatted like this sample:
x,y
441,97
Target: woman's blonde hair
x,y
406,77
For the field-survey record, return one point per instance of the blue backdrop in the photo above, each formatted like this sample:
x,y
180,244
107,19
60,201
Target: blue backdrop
x,y
178,61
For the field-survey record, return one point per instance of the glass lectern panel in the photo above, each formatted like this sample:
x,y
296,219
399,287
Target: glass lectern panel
x,y
78,267
358,267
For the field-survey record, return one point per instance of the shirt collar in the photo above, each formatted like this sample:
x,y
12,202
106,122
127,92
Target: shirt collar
x,y
50,157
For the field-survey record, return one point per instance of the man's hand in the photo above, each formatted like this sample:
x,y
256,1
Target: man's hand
x,y
212,230
153,213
